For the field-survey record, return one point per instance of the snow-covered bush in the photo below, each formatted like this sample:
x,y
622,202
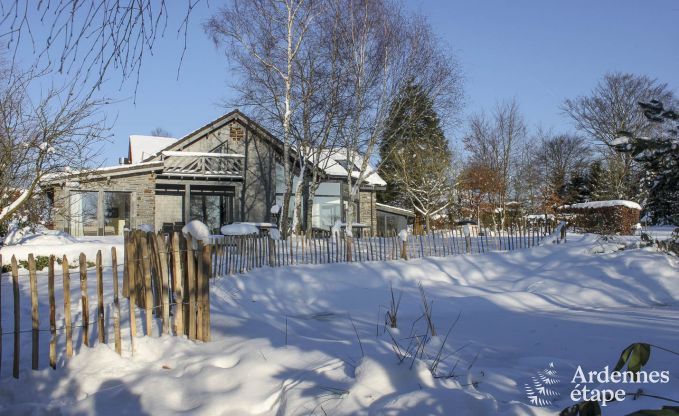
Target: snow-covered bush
x,y
197,231
239,229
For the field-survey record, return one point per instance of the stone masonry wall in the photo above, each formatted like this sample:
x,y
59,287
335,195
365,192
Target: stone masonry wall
x,y
368,212
140,185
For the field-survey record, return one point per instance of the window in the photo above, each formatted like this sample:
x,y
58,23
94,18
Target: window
x,y
83,214
212,207
327,207
116,212
326,211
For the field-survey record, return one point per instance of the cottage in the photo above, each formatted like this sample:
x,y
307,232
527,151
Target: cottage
x,y
229,170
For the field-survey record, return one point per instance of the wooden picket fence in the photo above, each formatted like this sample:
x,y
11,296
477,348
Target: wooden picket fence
x,y
160,273
239,254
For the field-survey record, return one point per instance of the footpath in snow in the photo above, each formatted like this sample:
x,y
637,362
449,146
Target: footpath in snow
x,y
312,340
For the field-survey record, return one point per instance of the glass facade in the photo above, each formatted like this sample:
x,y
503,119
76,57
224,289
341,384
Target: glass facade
x,y
90,218
83,214
327,208
116,212
212,209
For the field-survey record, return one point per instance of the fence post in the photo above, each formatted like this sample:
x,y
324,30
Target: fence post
x,y
35,347
148,295
101,335
205,289
348,250
17,320
131,266
404,247
116,301
83,299
126,271
200,276
53,313
163,272
190,287
67,306
178,286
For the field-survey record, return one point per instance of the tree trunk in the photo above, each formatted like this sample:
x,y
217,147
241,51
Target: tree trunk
x,y
297,215
310,205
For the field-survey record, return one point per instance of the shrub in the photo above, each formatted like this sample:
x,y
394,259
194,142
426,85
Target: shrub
x,y
604,220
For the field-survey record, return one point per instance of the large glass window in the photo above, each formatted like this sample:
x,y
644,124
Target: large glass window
x,y
213,210
83,214
326,211
327,208
116,212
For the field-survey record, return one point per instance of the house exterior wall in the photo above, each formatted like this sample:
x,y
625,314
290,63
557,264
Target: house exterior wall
x,y
169,208
141,186
258,193
368,211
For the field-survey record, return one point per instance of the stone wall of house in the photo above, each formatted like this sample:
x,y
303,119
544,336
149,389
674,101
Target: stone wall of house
x,y
368,211
140,185
169,208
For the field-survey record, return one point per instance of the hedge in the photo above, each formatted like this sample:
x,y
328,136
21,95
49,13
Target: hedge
x,y
610,220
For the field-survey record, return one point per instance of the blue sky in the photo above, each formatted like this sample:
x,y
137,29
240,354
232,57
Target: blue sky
x,y
539,52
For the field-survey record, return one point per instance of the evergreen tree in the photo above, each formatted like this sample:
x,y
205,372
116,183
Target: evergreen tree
x,y
413,127
595,177
659,156
577,189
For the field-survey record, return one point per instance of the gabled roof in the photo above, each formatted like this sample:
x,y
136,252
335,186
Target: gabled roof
x,y
190,138
335,163
332,164
145,147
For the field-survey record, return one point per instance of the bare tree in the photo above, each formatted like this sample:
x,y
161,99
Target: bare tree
x,y
494,143
87,39
426,181
321,113
559,158
383,51
161,132
612,107
38,138
264,37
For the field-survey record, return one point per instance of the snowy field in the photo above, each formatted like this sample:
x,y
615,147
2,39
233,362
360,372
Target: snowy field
x,y
312,340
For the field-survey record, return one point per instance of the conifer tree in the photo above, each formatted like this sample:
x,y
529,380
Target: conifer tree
x,y
659,156
414,140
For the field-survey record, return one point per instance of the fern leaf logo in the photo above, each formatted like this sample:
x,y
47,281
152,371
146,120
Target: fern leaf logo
x,y
540,391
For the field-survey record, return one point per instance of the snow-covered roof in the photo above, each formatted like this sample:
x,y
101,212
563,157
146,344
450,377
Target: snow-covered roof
x,y
601,204
393,209
334,163
143,147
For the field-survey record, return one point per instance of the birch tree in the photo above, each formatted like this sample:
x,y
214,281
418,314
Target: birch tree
x,y
321,113
383,51
263,38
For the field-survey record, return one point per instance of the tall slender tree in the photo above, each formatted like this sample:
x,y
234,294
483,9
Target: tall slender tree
x,y
415,157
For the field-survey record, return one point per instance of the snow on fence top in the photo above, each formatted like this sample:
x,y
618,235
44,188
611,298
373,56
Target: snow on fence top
x,y
602,204
239,229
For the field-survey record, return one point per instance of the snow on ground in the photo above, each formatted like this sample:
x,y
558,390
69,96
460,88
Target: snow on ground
x,y
659,232
311,340
59,243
